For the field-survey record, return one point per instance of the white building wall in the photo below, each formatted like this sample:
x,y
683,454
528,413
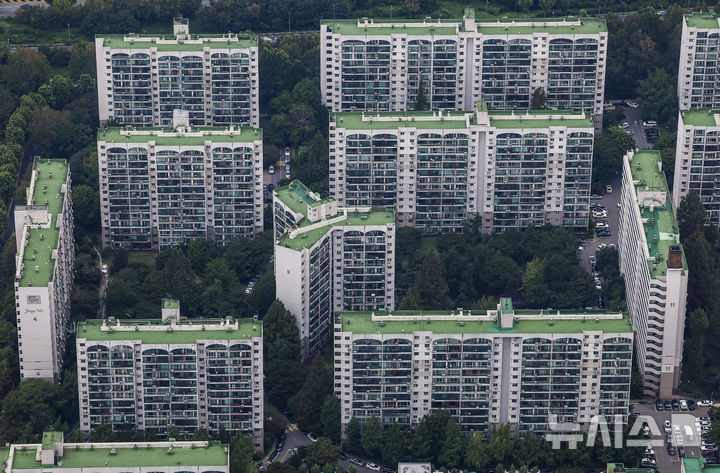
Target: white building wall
x,y
291,288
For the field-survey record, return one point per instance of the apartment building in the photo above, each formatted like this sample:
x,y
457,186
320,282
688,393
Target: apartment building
x,y
656,273
330,258
439,169
142,79
525,368
45,268
159,374
698,75
697,160
161,187
110,457
378,65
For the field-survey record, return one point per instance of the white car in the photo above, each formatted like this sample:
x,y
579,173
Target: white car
x,y
104,269
373,466
601,246
704,403
667,426
312,437
625,125
287,154
631,104
683,405
271,169
608,189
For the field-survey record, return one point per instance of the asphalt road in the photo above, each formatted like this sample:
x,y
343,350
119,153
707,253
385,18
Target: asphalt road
x,y
9,9
634,118
297,438
666,463
610,202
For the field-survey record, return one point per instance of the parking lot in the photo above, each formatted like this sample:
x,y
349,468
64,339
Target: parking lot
x,y
667,463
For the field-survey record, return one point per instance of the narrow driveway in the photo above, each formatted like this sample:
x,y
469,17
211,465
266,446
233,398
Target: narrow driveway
x,y
634,118
610,202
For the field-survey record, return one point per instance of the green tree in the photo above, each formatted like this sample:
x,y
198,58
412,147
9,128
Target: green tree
x,y
197,254
546,5
322,452
430,285
539,99
372,437
307,403
500,443
394,447
29,408
657,96
25,71
421,100
330,418
241,455
353,439
608,152
451,454
477,454
690,214
86,207
119,259
279,324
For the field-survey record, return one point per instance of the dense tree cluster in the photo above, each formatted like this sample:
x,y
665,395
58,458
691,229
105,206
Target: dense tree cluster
x,y
537,267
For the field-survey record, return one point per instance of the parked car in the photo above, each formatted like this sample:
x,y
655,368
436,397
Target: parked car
x,y
271,169
683,405
668,405
675,405
608,189
704,403
287,170
104,269
671,450
631,104
659,405
312,437
373,466
691,405
287,154
681,452
357,461
667,425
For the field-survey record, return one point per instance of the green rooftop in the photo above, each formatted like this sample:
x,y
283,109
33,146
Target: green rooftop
x,y
49,439
42,241
170,304
699,465
620,468
90,331
142,456
296,195
442,26
456,120
699,117
543,25
703,20
660,226
362,323
147,134
208,41
377,216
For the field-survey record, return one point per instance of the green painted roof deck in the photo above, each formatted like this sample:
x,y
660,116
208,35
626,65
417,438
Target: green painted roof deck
x,y
118,41
660,227
142,456
90,331
42,241
504,119
702,20
699,465
170,304
296,195
435,26
620,468
562,26
362,323
699,117
506,304
377,216
196,137
49,439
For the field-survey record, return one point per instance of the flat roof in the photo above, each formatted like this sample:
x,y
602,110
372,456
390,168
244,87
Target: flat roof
x,y
700,117
90,331
197,136
296,196
562,26
450,26
170,43
362,323
503,119
699,465
42,241
702,20
660,226
170,304
142,456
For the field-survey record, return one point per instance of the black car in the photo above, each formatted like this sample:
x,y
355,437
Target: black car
x,y
658,405
671,450
668,438
691,405
668,405
681,451
675,405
